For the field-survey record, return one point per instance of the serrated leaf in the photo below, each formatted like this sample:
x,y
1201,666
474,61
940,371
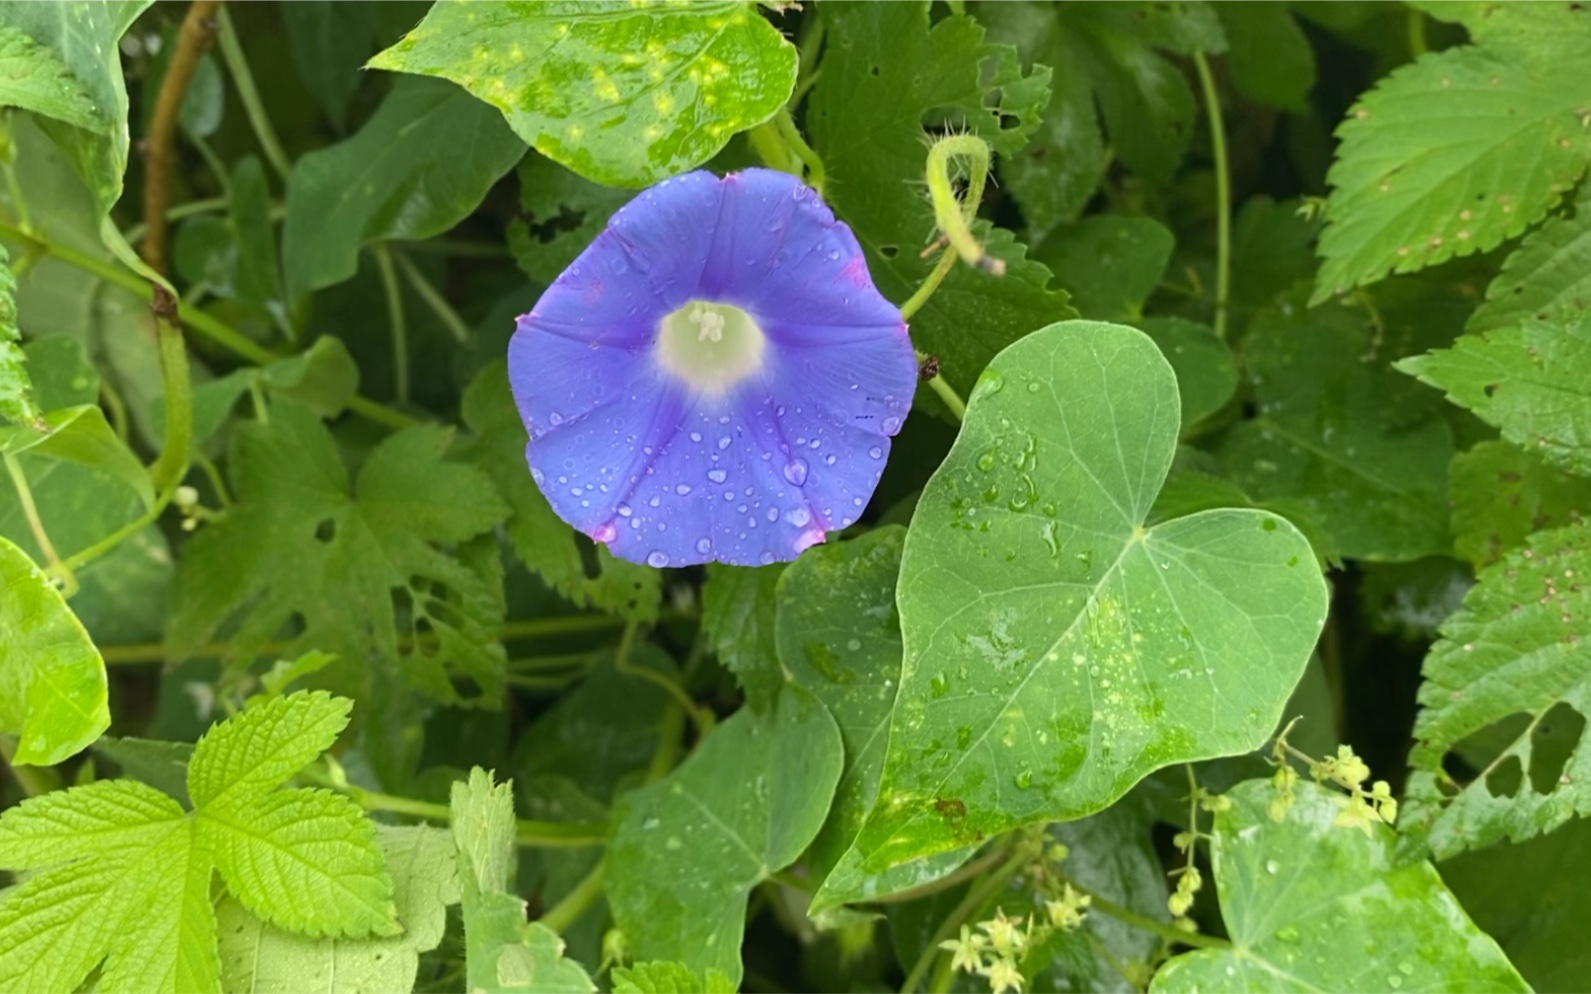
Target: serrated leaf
x,y
565,212
16,390
329,43
32,78
543,542
161,765
666,977
738,618
52,680
1516,647
503,951
83,39
1533,381
259,749
1056,649
400,176
839,637
1313,905
1548,276
688,849
886,76
1340,434
1501,494
625,95
257,958
354,559
1450,156
1109,264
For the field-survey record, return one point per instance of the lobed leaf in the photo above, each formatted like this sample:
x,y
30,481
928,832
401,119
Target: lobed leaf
x,y
1056,649
1314,905
1547,277
1501,494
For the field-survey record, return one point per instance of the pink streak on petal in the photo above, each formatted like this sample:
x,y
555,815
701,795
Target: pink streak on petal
x,y
807,539
604,533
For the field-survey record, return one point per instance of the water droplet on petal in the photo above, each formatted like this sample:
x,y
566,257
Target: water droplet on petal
x,y
716,475
876,452
773,514
657,559
767,557
704,546
538,476
683,489
723,443
625,510
796,472
604,533
798,517
891,425
696,436
555,419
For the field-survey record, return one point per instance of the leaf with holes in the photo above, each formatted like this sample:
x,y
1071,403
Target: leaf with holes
x,y
122,874
885,75
1501,494
1547,277
1517,648
1531,380
1454,154
1056,649
688,850
352,560
52,680
625,95
1313,905
544,542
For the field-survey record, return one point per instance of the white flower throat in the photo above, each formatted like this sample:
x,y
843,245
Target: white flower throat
x,y
710,346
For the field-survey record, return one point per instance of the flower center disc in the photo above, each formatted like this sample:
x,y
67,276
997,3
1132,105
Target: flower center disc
x,y
710,346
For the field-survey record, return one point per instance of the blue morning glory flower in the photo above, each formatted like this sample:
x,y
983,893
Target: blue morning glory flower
x,y
715,378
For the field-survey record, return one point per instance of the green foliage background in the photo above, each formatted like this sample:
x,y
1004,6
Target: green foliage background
x,y
1220,622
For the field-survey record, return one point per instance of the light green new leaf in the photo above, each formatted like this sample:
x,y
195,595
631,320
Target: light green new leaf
x,y
1452,155
1547,277
32,78
83,39
1312,905
419,166
886,75
666,977
544,543
839,637
52,680
1502,494
257,958
123,874
503,952
1517,648
738,617
1361,449
1533,381
352,559
1056,649
81,435
688,849
624,94
16,392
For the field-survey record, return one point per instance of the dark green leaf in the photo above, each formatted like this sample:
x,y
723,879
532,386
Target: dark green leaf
x,y
1501,494
1109,264
566,211
738,617
330,42
1205,367
1270,57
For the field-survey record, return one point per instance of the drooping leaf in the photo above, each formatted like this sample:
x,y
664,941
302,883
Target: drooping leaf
x,y
688,849
83,40
544,543
1313,905
123,875
1516,648
625,95
1342,435
52,679
738,617
1531,380
1501,494
329,42
401,176
16,391
354,559
503,951
1056,649
839,637
885,75
1456,153
1547,277
263,959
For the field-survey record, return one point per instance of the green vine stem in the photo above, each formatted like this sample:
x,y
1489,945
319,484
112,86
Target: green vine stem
x,y
575,903
172,465
199,321
249,94
30,511
1223,193
976,897
433,299
784,126
528,834
400,327
954,216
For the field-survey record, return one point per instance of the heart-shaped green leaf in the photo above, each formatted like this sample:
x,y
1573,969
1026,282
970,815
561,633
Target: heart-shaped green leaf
x,y
1056,649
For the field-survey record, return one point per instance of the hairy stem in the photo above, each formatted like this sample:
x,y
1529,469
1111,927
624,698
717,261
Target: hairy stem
x,y
172,465
953,216
575,903
784,125
1223,193
198,28
249,94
